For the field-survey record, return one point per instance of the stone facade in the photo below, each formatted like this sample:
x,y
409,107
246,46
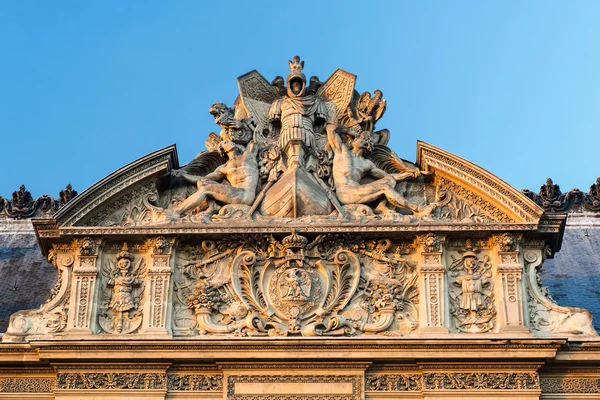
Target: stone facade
x,y
300,258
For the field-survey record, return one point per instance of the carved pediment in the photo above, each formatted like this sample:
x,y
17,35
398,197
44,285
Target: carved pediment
x,y
298,220
488,193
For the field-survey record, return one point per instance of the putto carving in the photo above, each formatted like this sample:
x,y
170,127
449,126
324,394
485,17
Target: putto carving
x,y
120,310
472,298
258,285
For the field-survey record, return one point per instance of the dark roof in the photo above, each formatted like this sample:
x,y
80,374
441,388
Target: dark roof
x,y
25,276
573,276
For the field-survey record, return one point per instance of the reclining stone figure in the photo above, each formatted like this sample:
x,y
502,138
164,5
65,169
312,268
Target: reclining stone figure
x,y
350,166
240,171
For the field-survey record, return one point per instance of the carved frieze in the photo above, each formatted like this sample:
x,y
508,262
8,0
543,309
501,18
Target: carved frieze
x,y
481,381
258,286
111,380
26,385
567,384
394,382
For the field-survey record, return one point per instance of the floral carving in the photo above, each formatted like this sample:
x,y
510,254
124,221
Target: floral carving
x,y
394,382
195,383
481,381
110,380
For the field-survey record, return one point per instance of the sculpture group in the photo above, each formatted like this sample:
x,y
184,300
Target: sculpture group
x,y
292,149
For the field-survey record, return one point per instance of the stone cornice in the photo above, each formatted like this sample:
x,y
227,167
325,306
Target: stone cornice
x,y
151,164
506,198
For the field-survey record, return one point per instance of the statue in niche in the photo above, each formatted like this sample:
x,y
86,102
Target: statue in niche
x,y
240,171
299,114
120,311
351,165
474,309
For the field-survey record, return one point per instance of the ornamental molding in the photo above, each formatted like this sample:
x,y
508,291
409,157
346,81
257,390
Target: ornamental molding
x,y
23,206
354,380
479,181
570,385
481,381
111,380
115,184
26,385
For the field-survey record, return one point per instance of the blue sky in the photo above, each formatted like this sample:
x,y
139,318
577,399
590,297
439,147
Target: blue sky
x,y
89,86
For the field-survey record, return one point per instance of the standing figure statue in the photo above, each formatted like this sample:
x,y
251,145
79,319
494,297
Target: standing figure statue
x,y
350,166
471,284
298,114
240,172
123,283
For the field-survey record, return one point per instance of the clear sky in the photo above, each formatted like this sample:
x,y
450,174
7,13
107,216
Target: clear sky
x,y
89,86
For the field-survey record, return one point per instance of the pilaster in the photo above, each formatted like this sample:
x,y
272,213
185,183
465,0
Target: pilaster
x,y
83,290
432,285
158,284
509,290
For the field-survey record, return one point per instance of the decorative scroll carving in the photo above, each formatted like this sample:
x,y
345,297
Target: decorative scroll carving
x,y
22,205
257,285
481,381
550,198
111,380
545,316
456,203
26,385
472,297
123,286
555,384
394,383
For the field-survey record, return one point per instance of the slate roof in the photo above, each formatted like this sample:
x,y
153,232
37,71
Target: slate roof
x,y
573,275
25,276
